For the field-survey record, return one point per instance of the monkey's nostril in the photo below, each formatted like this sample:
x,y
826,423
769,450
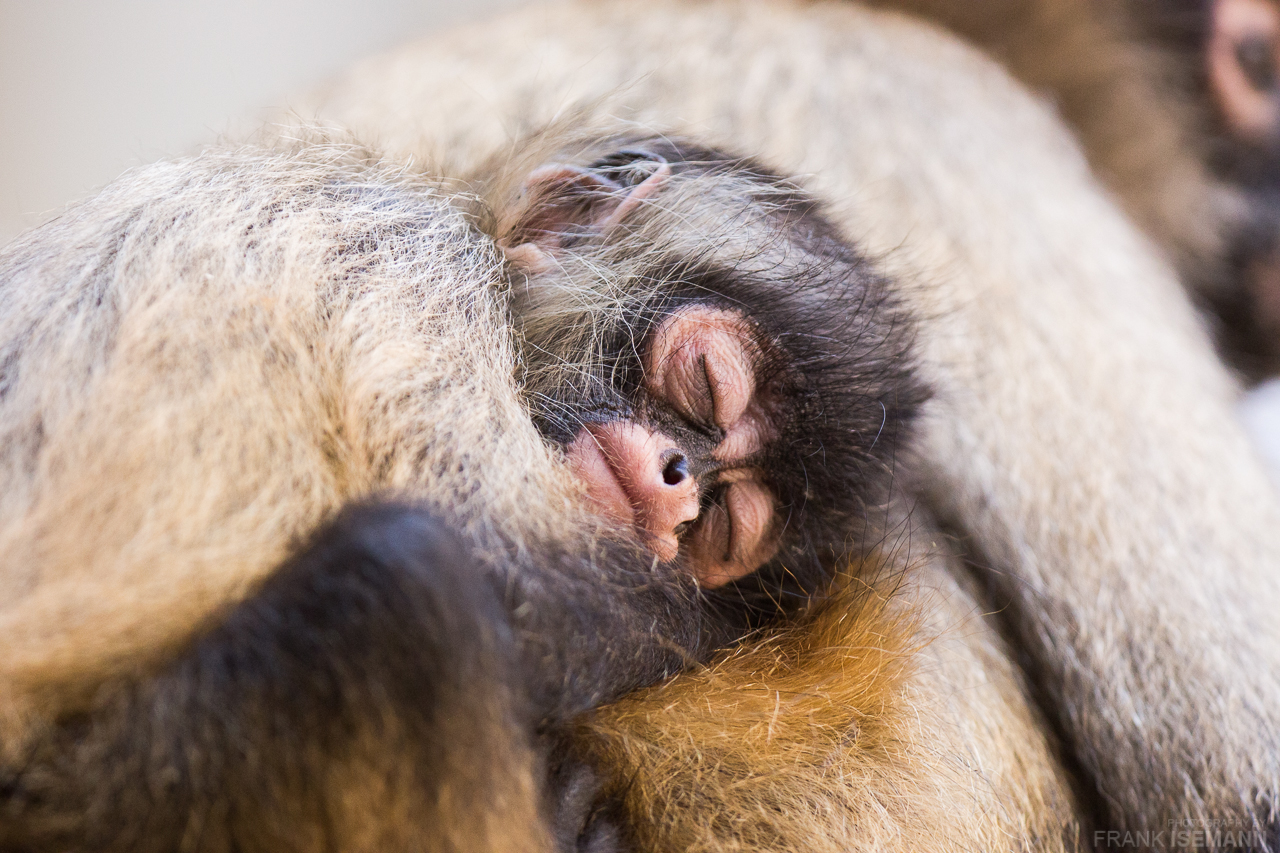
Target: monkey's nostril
x,y
676,470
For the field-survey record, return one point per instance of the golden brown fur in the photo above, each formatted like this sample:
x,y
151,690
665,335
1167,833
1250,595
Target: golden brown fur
x,y
1082,440
875,723
169,346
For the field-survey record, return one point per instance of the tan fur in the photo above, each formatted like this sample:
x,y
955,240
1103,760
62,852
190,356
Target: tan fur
x,y
204,362
1121,98
134,505
1082,437
374,800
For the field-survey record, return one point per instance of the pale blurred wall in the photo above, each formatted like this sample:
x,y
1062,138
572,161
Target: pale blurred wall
x,y
89,88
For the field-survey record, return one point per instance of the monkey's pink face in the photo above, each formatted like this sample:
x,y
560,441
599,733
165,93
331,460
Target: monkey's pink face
x,y
712,510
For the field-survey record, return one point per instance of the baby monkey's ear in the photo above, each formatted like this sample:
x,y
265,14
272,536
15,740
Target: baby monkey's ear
x,y
562,205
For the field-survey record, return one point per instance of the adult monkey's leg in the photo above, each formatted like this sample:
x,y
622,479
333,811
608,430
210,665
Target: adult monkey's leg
x,y
1082,438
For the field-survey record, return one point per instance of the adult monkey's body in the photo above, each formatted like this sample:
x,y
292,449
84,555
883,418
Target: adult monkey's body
x,y
212,357
1176,104
788,752
1082,441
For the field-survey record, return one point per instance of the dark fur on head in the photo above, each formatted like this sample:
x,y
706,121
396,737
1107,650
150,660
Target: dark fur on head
x,y
405,678
726,232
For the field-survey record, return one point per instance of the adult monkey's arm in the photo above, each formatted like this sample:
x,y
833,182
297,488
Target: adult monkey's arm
x,y
1082,436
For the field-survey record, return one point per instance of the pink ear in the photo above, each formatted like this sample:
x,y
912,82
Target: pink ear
x,y
566,182
1243,60
563,202
638,194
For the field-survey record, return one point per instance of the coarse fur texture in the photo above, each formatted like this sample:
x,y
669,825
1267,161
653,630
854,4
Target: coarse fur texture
x,y
138,318
1081,441
397,676
201,365
889,718
334,709
1074,385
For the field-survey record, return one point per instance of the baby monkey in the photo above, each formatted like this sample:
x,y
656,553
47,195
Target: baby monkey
x,y
206,363
726,375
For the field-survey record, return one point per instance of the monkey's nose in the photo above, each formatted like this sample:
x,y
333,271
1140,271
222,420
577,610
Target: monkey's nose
x,y
676,469
638,476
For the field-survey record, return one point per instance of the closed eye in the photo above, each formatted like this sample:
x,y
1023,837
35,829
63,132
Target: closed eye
x,y
735,532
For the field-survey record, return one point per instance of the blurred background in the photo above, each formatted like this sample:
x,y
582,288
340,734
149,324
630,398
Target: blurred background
x,y
89,88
